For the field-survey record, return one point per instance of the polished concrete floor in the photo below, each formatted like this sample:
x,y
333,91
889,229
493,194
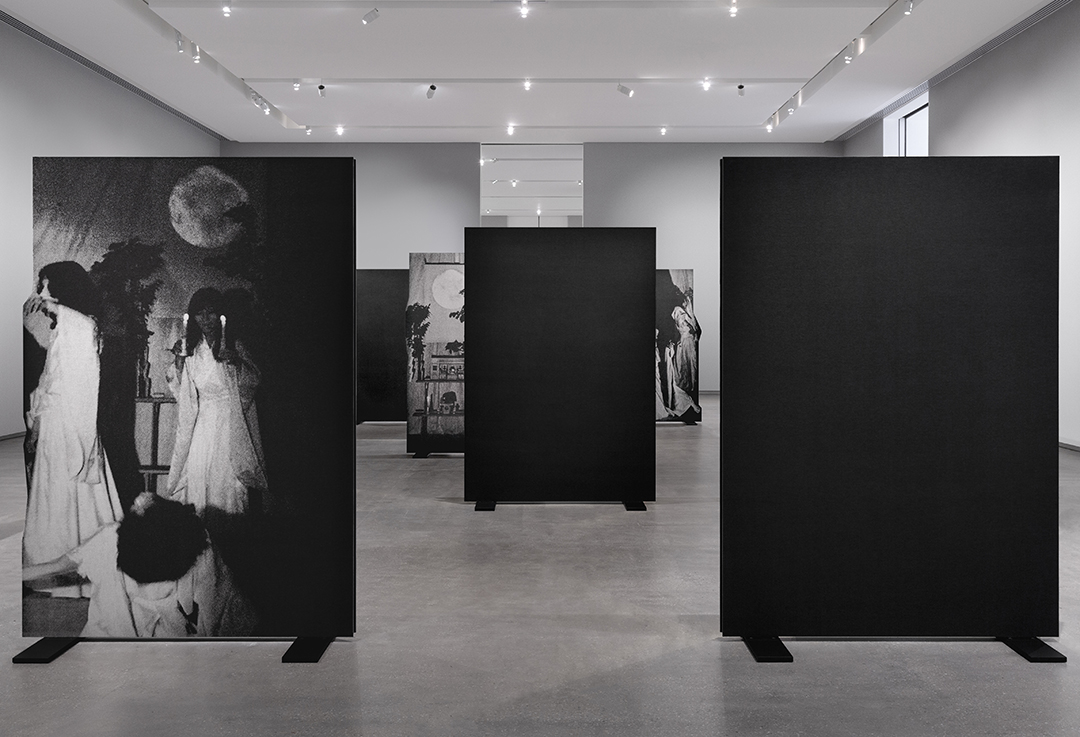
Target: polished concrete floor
x,y
545,620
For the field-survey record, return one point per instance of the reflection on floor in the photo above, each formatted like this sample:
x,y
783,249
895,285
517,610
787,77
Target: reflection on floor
x,y
538,620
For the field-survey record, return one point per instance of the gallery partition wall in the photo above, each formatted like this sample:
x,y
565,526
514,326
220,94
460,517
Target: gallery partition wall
x,y
889,431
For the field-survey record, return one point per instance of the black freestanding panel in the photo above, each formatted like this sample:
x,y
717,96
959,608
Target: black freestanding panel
x,y
561,371
889,429
381,358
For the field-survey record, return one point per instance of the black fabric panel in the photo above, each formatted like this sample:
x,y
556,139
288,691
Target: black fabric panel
x,y
561,376
889,378
307,405
381,358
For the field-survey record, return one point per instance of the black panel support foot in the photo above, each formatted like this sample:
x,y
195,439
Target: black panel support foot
x,y
485,507
306,650
46,650
635,506
768,649
1034,650
420,454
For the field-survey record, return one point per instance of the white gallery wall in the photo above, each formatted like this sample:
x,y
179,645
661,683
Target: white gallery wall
x,y
868,142
53,106
410,197
1023,99
675,187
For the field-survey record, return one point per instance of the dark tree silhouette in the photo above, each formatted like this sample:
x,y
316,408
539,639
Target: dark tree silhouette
x,y
416,327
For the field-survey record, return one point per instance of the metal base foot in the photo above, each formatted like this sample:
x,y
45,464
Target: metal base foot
x,y
306,650
635,506
46,650
488,506
768,649
1034,650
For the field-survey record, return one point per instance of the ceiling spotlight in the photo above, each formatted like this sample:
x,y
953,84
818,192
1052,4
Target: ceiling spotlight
x,y
850,54
579,182
296,86
340,130
768,127
179,42
431,92
528,85
196,53
481,162
538,212
524,8
624,89
734,8
706,84
226,10
663,131
513,182
510,129
322,90
791,111
910,7
370,16
307,130
742,90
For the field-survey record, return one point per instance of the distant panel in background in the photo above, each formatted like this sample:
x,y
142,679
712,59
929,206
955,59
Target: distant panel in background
x,y
560,399
381,359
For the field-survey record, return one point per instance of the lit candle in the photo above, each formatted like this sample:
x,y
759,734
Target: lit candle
x,y
222,331
183,337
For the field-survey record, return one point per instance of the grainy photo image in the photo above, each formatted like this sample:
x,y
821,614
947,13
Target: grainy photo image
x,y
677,337
435,346
169,351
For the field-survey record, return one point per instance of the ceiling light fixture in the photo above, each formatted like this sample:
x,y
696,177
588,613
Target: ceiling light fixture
x,y
322,90
296,86
340,130
624,89
307,129
791,111
513,182
910,7
226,10
850,53
768,127
742,90
528,85
196,53
663,131
734,8
179,42
510,129
370,16
538,212
524,8
431,92
706,84
579,182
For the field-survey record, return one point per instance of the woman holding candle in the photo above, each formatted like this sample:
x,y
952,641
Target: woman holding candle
x,y
217,457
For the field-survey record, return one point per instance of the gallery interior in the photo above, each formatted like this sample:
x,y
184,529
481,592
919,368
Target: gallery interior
x,y
505,123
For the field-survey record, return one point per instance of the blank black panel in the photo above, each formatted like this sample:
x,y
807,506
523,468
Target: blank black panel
x,y
561,375
889,408
381,358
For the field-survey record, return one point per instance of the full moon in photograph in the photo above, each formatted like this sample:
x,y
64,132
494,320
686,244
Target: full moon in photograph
x,y
198,205
446,289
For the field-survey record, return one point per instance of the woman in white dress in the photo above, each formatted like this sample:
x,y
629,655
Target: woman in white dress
x,y
217,458
72,494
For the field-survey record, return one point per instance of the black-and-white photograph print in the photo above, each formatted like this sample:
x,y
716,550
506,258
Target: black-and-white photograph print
x,y
435,346
168,321
677,337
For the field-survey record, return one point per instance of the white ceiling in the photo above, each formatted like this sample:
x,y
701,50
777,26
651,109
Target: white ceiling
x,y
479,52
